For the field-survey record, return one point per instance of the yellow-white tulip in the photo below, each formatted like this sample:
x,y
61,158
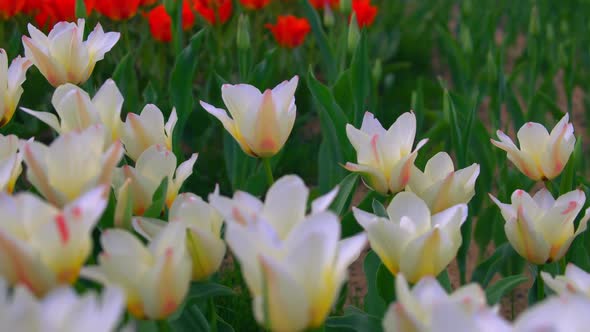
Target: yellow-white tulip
x,y
428,308
574,281
203,232
147,129
42,246
440,186
411,240
64,56
556,314
62,310
295,282
541,228
259,122
11,79
384,157
77,111
72,164
542,156
151,168
285,205
155,278
10,162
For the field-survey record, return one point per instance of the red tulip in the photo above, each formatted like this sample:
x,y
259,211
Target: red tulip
x,y
214,11
321,4
365,12
290,31
161,23
254,4
53,11
117,9
9,8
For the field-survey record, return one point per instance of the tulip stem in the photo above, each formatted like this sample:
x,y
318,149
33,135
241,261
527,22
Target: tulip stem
x,y
268,170
540,284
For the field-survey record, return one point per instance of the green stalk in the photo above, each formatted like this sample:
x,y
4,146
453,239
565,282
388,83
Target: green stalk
x,y
540,284
268,170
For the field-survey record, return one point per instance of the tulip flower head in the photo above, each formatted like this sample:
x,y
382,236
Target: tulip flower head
x,y
574,281
77,111
411,240
155,278
542,156
322,4
203,232
116,9
147,129
254,4
260,122
384,157
11,79
440,186
9,8
62,310
428,308
63,56
10,162
365,12
289,31
155,164
214,11
294,283
42,246
49,12
558,314
74,163
284,207
541,228
161,23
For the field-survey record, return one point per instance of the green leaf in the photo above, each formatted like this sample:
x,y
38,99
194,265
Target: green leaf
x,y
495,292
354,320
445,282
158,200
350,226
484,272
192,319
385,284
328,59
181,86
150,94
360,78
567,177
379,209
374,304
126,78
80,9
346,191
207,289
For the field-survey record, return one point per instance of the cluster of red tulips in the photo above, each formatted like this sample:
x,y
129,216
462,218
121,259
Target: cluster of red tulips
x,y
289,31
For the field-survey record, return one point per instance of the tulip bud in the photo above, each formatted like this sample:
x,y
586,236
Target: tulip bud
x,y
243,34
260,122
147,129
161,271
411,240
377,71
542,156
345,6
203,232
329,17
354,34
541,228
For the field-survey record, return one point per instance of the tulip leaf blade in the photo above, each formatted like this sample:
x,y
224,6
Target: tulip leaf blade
x,y
80,9
353,320
374,304
495,292
484,272
190,319
205,290
181,86
378,209
347,188
360,79
385,284
158,200
126,79
322,41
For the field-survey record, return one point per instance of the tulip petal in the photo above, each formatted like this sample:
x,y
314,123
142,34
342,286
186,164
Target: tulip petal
x,y
45,117
285,204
